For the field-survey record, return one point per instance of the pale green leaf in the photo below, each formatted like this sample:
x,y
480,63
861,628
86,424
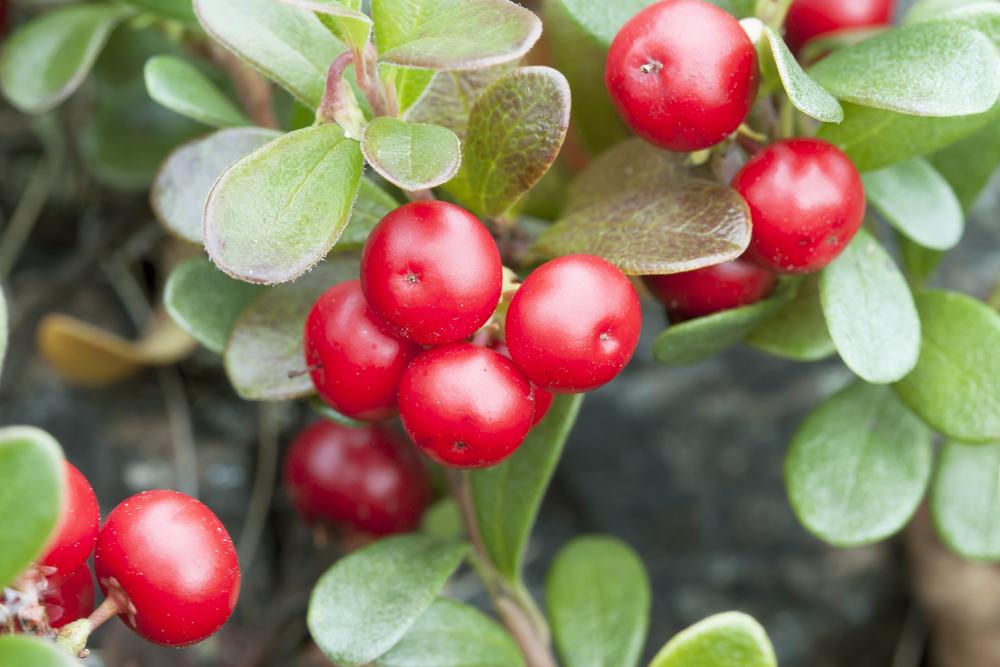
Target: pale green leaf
x,y
731,639
969,164
373,204
808,96
413,156
923,10
344,18
181,87
965,499
27,650
797,330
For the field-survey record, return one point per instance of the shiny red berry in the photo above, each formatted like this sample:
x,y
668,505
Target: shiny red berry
x,y
74,539
465,406
710,290
71,600
171,561
808,19
360,478
574,323
683,74
807,202
356,362
432,272
543,397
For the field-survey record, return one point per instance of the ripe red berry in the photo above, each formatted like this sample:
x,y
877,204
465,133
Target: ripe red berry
x,y
72,600
543,397
465,406
171,561
683,74
807,202
574,324
432,272
356,363
808,19
362,478
74,539
710,290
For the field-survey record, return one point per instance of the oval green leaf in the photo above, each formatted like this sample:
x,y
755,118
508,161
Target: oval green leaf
x,y
367,601
180,86
805,94
342,17
731,639
954,387
32,465
449,98
598,598
870,312
414,156
26,650
266,222
965,500
453,634
797,330
507,497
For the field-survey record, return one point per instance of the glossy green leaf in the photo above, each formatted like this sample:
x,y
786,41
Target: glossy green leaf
x,y
932,69
449,98
969,164
870,312
453,634
27,650
797,330
858,466
182,87
805,94
286,44
681,226
598,598
507,497
731,639
516,129
965,499
954,387
46,60
266,342
32,465
414,156
276,212
4,330
367,601
344,18
205,302
917,201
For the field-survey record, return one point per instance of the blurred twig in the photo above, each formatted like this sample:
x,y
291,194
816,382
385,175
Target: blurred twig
x,y
263,487
26,214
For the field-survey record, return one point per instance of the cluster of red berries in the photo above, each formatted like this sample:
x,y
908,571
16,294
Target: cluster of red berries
x,y
164,561
683,75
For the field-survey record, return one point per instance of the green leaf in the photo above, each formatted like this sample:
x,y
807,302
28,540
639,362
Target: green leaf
x,y
284,43
452,634
870,312
919,262
30,505
342,17
797,330
923,10
4,331
206,302
731,639
45,61
507,497
373,204
320,407
954,387
266,342
969,164
598,598
268,223
679,226
443,520
367,601
965,499
516,129
981,15
187,175
179,10
805,94
858,466
917,201
24,650
413,156
180,86
932,69
450,96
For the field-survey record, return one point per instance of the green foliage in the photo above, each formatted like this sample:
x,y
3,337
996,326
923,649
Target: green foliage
x,y
368,601
798,329
373,204
320,407
180,86
343,18
450,96
598,597
923,10
965,499
731,639
413,156
808,96
443,520
179,10
967,165
24,650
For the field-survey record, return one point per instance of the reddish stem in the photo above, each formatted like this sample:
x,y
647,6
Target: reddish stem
x,y
331,97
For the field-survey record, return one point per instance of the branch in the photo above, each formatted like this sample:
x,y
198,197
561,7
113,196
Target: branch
x,y
254,92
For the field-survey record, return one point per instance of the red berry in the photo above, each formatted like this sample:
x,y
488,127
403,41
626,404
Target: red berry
x,y
432,272
74,539
72,600
173,562
807,202
465,406
543,397
362,478
808,19
356,363
683,74
715,288
574,324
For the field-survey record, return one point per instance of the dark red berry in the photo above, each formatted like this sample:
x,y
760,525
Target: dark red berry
x,y
808,19
465,406
172,563
543,397
356,364
74,539
71,600
683,74
360,478
807,202
710,290
432,272
574,324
